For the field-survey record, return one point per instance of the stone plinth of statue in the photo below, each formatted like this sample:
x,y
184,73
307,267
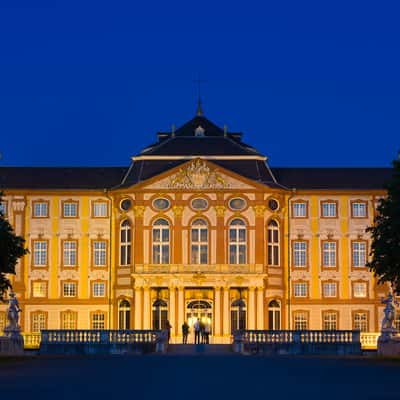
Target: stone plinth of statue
x,y
388,341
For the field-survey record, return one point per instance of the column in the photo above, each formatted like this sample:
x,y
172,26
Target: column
x,y
259,244
181,308
260,308
225,317
138,243
220,259
177,250
217,311
171,309
251,309
146,308
138,308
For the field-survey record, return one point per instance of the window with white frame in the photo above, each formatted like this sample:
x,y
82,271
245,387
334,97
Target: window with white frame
x,y
70,253
99,289
39,253
69,289
199,239
69,320
99,253
329,209
38,322
330,321
99,209
237,242
274,315
360,321
161,242
329,254
70,209
125,243
359,209
360,289
300,321
98,321
329,289
300,289
39,289
299,209
124,314
273,243
299,253
359,256
40,209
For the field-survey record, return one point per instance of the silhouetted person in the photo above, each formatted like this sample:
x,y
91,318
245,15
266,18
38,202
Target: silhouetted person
x,y
196,327
185,332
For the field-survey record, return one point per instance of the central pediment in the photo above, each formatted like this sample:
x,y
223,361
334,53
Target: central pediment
x,y
198,174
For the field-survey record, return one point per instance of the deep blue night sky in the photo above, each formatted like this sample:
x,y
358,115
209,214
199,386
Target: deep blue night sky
x,y
309,83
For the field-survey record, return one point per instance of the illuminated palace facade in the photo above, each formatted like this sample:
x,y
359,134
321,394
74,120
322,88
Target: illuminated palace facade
x,y
197,226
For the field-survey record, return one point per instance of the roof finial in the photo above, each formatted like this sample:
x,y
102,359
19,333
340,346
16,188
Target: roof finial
x,y
199,111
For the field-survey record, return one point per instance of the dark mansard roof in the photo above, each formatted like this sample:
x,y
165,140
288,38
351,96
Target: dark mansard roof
x,y
198,137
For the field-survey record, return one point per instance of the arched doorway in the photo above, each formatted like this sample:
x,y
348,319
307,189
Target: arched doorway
x,y
160,314
124,314
238,315
274,315
199,309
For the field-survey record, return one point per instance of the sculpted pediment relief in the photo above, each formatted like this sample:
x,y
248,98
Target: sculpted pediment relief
x,y
196,175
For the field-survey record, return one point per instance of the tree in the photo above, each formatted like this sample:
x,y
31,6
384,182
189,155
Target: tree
x,y
385,250
12,247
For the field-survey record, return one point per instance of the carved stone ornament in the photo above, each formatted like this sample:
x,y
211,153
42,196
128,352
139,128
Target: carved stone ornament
x,y
177,210
138,211
197,175
220,210
259,210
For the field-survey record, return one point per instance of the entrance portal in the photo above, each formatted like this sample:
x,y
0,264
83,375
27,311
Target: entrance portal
x,y
201,309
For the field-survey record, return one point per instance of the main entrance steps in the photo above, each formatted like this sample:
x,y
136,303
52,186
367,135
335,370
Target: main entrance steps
x,y
200,349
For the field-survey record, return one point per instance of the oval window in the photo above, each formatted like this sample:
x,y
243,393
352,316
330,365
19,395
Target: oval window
x,y
273,204
199,204
237,204
161,204
126,204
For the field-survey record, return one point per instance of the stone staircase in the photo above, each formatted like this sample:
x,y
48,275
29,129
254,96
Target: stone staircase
x,y
200,349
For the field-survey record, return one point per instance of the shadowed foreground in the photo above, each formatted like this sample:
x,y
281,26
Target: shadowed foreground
x,y
199,377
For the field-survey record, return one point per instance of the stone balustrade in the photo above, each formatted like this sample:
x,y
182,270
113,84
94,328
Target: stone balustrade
x,y
297,342
206,268
31,341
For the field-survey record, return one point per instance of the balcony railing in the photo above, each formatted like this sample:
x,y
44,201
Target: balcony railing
x,y
206,268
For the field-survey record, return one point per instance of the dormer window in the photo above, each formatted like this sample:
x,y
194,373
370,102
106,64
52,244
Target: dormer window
x,y
199,131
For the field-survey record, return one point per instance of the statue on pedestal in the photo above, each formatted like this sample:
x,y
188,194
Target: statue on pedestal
x,y
388,331
13,329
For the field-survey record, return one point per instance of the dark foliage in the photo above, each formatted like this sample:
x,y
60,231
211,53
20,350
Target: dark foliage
x,y
385,251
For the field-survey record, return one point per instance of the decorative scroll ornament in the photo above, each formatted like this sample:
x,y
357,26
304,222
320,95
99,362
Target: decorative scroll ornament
x,y
197,175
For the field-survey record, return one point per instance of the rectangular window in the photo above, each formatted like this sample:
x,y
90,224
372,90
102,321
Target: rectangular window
x,y
98,321
328,254
70,253
70,209
3,208
100,253
38,322
40,209
300,321
300,209
300,254
329,209
359,209
359,257
99,209
330,321
300,289
99,289
39,253
69,320
39,289
360,321
360,289
329,289
69,289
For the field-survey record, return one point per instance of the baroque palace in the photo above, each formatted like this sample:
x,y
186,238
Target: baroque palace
x,y
197,226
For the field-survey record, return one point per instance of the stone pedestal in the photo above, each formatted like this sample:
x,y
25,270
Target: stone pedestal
x,y
388,346
11,346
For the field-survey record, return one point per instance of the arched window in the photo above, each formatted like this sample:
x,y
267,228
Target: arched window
x,y
161,242
199,240
274,315
237,242
124,315
125,243
238,315
273,243
160,314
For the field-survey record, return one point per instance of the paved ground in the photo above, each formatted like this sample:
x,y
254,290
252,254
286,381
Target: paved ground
x,y
199,377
